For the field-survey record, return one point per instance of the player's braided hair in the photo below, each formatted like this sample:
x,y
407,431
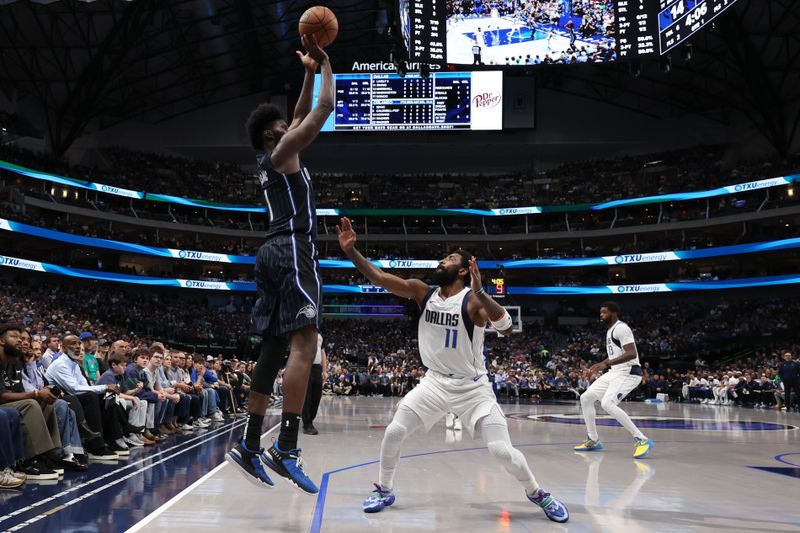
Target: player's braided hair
x,y
258,121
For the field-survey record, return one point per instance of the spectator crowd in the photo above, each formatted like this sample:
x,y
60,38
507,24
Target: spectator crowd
x,y
70,400
84,378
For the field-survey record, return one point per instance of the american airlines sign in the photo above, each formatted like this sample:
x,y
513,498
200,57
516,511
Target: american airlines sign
x,y
385,66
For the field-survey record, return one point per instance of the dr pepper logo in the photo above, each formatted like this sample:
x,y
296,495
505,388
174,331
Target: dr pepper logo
x,y
486,100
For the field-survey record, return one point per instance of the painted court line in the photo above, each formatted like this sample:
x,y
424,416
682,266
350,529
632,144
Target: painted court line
x,y
319,508
211,434
155,514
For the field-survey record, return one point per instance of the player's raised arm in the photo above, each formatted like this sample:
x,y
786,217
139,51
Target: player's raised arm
x,y
285,156
485,306
405,288
303,106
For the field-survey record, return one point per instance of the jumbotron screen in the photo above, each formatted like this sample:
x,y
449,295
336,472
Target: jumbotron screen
x,y
443,101
530,33
533,32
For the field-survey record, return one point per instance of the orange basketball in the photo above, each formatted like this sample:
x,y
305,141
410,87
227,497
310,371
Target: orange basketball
x,y
321,22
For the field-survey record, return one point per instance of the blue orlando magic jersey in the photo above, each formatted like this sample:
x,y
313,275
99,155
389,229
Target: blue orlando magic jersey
x,y
290,200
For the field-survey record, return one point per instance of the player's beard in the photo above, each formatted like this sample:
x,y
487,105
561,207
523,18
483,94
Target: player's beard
x,y
445,276
13,352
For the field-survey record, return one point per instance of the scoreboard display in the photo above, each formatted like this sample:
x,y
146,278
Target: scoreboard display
x,y
442,101
441,32
649,27
680,19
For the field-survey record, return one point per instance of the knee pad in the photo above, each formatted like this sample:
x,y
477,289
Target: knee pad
x,y
500,450
395,433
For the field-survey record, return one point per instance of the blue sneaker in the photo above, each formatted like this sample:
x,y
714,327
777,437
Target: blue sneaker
x,y
554,509
377,500
248,463
289,466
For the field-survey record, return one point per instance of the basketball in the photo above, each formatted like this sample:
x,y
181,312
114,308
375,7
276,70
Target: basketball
x,y
321,22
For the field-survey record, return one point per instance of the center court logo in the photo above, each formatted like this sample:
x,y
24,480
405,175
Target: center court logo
x,y
486,100
308,311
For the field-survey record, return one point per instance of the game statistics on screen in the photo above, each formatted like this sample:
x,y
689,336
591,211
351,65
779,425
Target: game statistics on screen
x,y
442,101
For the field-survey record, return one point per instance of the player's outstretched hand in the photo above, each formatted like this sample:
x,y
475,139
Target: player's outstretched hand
x,y
475,274
308,62
347,235
316,53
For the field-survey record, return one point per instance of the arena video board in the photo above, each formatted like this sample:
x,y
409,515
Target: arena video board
x,y
532,32
386,101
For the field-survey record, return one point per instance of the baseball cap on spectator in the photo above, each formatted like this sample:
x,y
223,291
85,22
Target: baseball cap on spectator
x,y
102,342
86,335
209,358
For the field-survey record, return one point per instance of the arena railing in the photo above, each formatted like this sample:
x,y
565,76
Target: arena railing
x,y
37,266
211,257
499,212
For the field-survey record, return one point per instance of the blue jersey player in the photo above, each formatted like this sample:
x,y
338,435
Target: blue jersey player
x,y
287,276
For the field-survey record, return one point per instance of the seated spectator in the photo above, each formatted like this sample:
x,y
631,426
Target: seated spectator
x,y
134,380
135,408
205,383
65,372
39,422
158,382
73,457
90,365
180,381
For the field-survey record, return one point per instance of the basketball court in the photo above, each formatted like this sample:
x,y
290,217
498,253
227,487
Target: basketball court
x,y
712,468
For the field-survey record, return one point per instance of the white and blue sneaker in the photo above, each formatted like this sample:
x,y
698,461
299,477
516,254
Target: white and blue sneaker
x,y
554,509
378,499
248,463
289,465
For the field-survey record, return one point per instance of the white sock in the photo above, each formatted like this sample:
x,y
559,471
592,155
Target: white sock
x,y
589,415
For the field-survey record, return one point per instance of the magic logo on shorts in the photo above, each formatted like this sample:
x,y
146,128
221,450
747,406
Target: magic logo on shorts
x,y
309,311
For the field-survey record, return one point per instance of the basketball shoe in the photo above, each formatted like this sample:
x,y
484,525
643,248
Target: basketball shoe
x,y
289,465
378,499
642,447
554,509
249,464
589,446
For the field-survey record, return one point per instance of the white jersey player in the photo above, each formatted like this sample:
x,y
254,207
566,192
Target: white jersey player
x,y
451,329
612,387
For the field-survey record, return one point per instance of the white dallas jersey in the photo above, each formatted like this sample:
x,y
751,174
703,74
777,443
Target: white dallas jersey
x,y
618,336
449,342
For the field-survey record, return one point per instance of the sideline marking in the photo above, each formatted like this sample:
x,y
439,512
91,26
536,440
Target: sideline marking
x,y
211,434
175,499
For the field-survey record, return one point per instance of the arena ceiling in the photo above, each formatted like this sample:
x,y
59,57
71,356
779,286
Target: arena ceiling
x,y
91,64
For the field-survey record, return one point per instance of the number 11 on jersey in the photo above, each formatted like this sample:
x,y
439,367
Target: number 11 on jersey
x,y
451,334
